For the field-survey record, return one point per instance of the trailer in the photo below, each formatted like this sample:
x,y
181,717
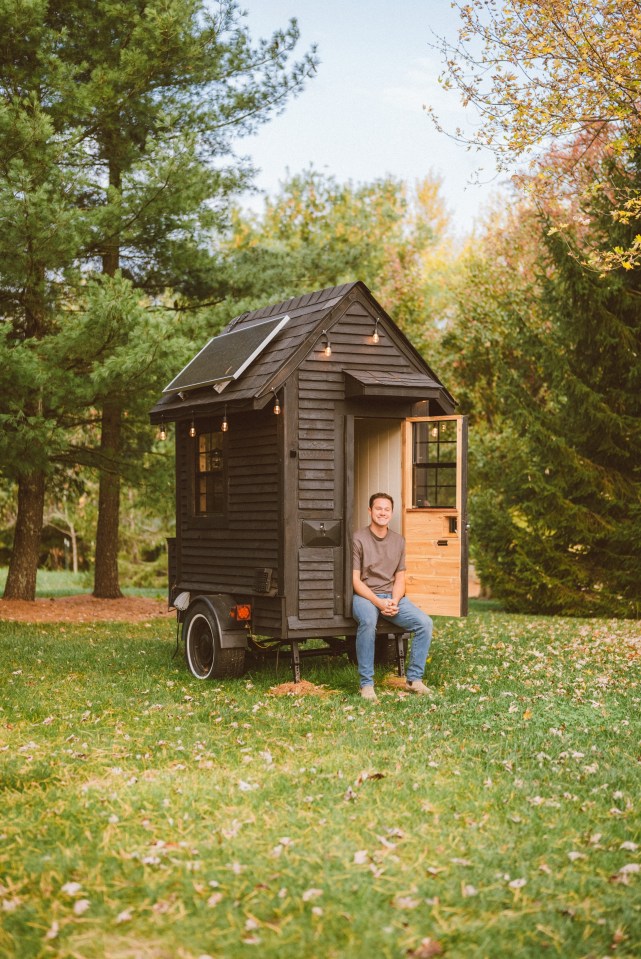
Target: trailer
x,y
285,422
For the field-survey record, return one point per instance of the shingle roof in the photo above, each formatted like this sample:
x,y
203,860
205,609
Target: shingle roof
x,y
307,317
305,314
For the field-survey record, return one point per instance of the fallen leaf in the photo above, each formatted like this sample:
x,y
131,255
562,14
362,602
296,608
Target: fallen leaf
x,y
311,894
427,949
71,888
245,786
406,902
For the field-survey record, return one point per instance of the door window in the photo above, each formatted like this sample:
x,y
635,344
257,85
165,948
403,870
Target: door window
x,y
434,464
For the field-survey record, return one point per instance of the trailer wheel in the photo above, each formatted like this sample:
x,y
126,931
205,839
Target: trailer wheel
x,y
204,655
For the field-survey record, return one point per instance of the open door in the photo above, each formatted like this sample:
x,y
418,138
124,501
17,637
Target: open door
x,y
435,513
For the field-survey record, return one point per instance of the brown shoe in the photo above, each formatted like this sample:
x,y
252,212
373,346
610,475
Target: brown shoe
x,y
367,692
417,686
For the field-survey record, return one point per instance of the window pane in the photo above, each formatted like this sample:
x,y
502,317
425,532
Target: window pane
x,y
447,497
210,474
447,452
434,449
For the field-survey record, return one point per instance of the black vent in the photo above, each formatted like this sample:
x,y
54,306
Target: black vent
x,y
262,579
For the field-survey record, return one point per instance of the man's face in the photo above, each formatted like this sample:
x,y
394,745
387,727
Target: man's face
x,y
381,511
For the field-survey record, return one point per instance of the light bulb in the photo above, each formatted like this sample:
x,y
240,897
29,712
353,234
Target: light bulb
x,y
163,433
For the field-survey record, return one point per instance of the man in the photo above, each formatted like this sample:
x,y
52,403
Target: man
x,y
379,590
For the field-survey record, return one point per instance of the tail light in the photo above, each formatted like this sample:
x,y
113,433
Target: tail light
x,y
242,612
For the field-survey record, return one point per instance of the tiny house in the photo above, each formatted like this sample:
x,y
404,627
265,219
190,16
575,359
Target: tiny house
x,y
285,423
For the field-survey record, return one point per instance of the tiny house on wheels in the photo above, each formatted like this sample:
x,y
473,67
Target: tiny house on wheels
x,y
286,422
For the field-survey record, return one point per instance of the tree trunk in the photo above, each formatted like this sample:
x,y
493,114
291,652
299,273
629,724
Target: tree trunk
x,y
106,581
74,547
23,565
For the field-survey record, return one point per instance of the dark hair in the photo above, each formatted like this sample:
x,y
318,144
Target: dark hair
x,y
380,496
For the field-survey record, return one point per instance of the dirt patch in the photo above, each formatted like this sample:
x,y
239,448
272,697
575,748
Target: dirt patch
x,y
83,608
303,688
393,681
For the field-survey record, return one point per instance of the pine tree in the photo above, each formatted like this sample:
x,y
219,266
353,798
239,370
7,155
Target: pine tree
x,y
547,354
137,105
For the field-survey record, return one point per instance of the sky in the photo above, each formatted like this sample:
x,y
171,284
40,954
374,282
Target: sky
x,y
361,117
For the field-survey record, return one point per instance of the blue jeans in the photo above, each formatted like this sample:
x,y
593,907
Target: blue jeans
x,y
409,616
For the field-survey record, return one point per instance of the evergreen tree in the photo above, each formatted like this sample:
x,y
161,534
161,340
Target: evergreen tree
x,y
117,124
547,355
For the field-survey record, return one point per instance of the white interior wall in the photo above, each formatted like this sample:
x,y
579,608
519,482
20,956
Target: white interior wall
x,y
377,466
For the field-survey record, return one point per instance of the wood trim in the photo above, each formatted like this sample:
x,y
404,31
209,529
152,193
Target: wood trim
x,y
348,507
289,532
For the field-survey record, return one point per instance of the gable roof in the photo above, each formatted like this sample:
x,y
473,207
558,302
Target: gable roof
x,y
308,316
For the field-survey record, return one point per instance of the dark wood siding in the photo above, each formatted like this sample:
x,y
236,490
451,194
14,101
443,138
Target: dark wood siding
x,y
224,557
320,390
316,583
320,486
352,346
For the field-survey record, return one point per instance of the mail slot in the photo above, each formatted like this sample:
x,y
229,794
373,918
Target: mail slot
x,y
326,532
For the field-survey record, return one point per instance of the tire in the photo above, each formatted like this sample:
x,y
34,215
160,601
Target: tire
x,y
203,653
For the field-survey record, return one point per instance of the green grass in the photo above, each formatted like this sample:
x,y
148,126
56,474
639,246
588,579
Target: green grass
x,y
146,815
65,583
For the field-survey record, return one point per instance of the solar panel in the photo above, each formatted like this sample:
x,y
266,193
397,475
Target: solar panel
x,y
226,356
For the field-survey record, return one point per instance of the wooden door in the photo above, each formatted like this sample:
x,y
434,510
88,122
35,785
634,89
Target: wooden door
x,y
435,513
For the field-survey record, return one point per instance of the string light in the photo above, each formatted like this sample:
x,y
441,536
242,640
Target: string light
x,y
328,346
277,409
192,428
162,435
224,425
375,336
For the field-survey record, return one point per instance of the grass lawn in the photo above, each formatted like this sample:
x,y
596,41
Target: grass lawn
x,y
146,815
65,583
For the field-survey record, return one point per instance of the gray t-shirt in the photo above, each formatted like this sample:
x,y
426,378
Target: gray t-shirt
x,y
378,560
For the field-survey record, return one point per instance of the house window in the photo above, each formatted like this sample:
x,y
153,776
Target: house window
x,y
209,474
434,464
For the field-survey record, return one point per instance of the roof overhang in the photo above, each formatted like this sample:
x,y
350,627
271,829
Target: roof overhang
x,y
402,386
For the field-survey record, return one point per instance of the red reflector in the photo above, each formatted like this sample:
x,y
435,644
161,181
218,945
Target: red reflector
x,y
243,612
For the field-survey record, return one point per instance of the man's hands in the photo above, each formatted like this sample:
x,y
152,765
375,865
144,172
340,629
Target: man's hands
x,y
388,607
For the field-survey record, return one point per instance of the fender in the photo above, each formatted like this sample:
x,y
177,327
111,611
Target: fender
x,y
220,605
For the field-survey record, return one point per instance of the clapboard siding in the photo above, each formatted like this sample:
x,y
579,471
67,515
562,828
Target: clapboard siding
x,y
267,616
224,557
316,584
317,480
